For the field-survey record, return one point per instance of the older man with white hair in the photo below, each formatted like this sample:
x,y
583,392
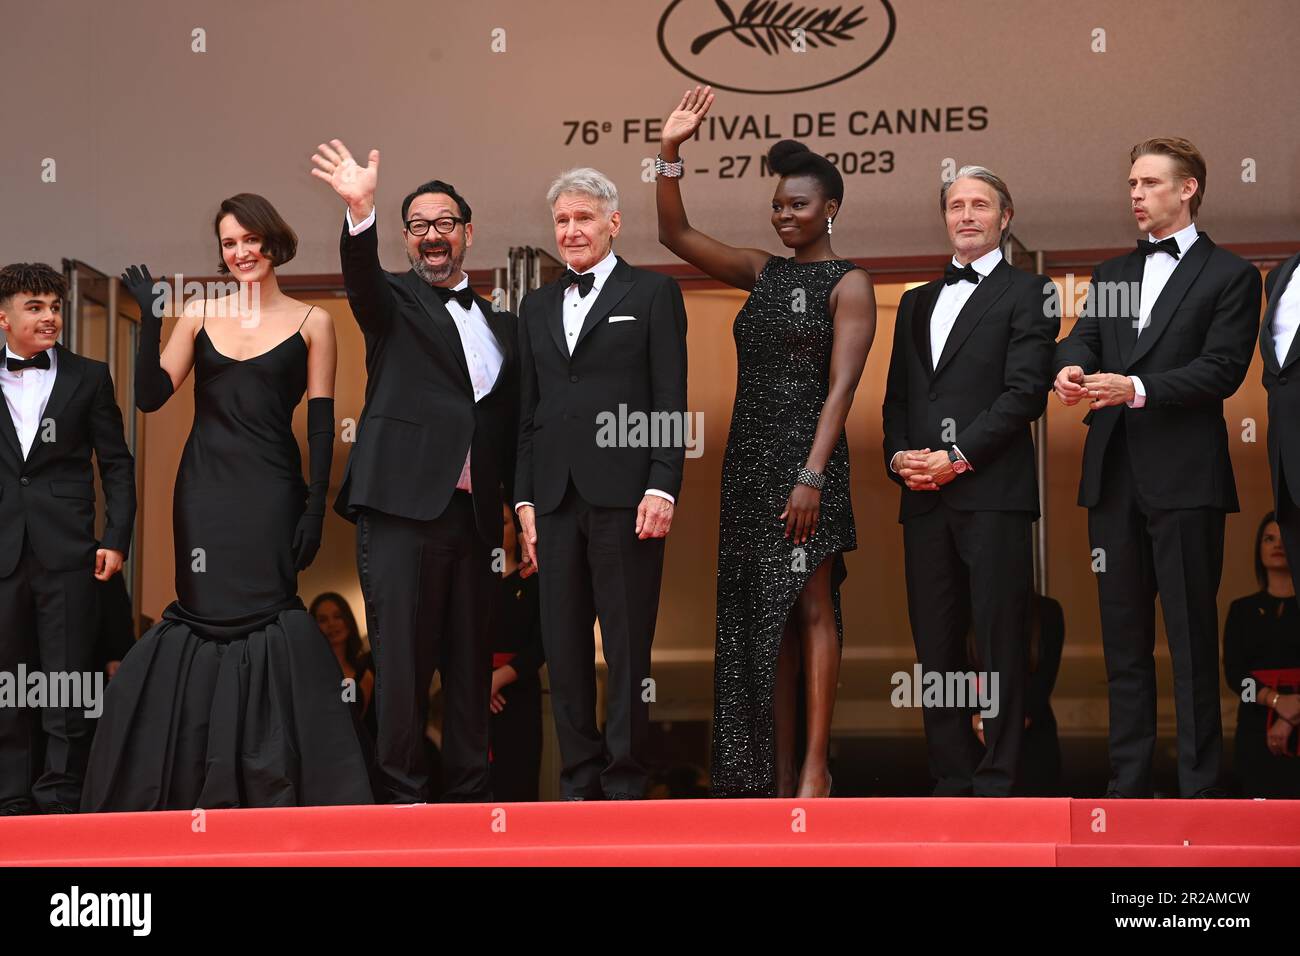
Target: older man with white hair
x,y
605,343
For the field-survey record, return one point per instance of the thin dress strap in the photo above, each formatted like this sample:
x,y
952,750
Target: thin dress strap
x,y
306,317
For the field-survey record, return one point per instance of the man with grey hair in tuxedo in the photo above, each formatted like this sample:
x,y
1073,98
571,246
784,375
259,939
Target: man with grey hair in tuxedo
x,y
606,342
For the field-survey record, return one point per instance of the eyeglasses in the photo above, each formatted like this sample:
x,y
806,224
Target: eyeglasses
x,y
444,225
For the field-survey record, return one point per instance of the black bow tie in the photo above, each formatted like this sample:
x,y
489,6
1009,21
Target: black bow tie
x,y
39,360
952,274
464,296
584,282
1169,245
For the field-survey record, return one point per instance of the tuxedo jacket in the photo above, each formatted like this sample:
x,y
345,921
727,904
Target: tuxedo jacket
x,y
420,418
636,363
50,496
1282,381
1192,355
982,396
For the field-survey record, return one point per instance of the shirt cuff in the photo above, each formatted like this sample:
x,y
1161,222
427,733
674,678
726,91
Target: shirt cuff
x,y
524,504
1140,396
362,226
661,494
969,466
892,457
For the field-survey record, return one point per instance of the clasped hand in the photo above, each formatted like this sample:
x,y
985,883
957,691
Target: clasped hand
x,y
1101,389
923,469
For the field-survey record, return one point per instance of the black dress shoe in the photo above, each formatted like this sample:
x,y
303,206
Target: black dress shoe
x,y
1211,793
59,808
621,796
18,810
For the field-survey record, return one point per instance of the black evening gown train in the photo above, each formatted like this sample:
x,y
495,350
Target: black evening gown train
x,y
234,698
783,349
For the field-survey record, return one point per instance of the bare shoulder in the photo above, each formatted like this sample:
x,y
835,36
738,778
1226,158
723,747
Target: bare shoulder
x,y
318,323
856,284
191,317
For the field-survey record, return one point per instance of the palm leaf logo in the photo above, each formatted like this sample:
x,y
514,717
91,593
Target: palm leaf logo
x,y
770,24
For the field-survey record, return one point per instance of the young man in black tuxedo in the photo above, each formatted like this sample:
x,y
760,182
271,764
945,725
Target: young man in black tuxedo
x,y
1279,349
1166,335
969,374
604,343
424,482
59,410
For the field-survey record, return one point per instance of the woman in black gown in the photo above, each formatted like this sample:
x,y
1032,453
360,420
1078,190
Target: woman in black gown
x,y
802,340
1261,652
233,699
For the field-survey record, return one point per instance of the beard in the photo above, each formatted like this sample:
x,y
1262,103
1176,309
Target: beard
x,y
435,274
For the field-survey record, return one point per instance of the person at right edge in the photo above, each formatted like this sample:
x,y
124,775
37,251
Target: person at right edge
x,y
1279,347
1165,336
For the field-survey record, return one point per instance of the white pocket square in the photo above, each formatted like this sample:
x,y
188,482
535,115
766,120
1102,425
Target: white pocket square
x,y
622,318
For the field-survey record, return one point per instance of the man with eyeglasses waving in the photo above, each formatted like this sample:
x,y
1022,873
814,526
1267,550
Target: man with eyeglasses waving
x,y
424,482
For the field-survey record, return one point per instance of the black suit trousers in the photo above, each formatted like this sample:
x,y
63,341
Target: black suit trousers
x,y
517,742
429,588
971,569
1288,520
1177,554
592,565
48,620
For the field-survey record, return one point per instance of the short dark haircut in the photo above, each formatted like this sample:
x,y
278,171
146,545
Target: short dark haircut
x,y
1261,575
34,278
792,158
258,216
1188,161
437,186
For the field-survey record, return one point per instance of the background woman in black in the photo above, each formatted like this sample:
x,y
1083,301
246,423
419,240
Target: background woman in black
x,y
233,699
334,617
516,727
802,340
1263,634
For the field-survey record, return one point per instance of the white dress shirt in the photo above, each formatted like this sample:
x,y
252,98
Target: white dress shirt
x,y
483,354
26,394
1286,318
947,306
1155,275
360,227
951,300
576,306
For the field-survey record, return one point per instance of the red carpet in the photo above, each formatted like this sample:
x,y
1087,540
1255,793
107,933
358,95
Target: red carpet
x,y
857,832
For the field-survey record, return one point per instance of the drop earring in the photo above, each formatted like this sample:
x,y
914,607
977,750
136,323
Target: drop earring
x,y
830,223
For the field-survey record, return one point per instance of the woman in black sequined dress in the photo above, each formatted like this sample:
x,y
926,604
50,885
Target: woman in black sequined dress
x,y
802,340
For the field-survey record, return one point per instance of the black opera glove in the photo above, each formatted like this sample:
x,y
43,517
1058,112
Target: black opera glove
x,y
320,456
153,386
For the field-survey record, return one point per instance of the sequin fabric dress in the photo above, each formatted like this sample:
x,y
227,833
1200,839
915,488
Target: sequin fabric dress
x,y
783,347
